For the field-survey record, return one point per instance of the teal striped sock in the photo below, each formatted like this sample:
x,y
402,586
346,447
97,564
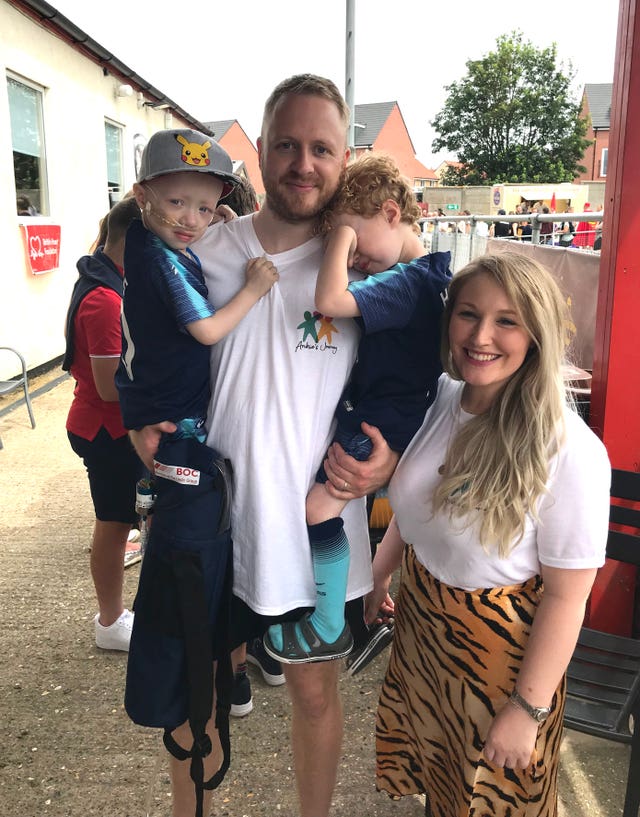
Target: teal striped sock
x,y
330,554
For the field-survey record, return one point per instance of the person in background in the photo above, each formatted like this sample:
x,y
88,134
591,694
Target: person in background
x,y
94,424
275,386
501,229
24,207
482,229
566,230
546,227
525,231
463,227
585,233
442,226
504,497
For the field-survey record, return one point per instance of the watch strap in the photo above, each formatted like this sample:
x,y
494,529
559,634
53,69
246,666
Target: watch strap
x,y
538,713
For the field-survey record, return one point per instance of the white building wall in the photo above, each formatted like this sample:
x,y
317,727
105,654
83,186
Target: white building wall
x,y
78,98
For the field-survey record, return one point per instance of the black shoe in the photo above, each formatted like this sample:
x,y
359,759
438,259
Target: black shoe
x,y
380,636
268,666
241,703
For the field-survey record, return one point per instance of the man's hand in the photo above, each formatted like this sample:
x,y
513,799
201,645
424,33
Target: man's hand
x,y
147,439
350,478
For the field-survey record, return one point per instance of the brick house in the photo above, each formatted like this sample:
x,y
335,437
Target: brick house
x,y
442,168
596,105
230,134
380,126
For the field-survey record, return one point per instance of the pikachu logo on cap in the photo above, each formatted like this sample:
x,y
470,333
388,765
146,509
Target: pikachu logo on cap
x,y
194,153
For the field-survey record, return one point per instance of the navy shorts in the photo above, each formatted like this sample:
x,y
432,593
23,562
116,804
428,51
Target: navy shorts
x,y
113,468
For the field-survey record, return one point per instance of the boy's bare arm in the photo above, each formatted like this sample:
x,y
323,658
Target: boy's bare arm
x,y
332,295
261,276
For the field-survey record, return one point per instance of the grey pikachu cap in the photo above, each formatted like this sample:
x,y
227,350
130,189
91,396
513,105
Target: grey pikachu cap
x,y
174,151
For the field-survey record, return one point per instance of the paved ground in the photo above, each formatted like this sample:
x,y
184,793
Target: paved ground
x,y
67,748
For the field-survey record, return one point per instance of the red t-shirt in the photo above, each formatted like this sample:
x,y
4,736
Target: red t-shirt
x,y
97,334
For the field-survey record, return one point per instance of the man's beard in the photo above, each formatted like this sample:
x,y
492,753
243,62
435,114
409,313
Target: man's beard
x,y
281,206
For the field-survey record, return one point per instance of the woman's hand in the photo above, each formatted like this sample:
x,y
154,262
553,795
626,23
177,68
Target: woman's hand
x,y
511,739
378,604
350,478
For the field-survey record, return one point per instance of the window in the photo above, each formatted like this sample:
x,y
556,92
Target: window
x,y
27,138
113,142
604,161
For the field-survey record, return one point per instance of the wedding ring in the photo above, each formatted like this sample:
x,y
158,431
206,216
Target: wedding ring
x,y
346,486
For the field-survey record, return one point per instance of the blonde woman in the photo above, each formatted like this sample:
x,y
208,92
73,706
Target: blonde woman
x,y
501,507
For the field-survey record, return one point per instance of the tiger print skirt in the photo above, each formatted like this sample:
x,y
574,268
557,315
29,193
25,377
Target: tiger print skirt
x,y
453,665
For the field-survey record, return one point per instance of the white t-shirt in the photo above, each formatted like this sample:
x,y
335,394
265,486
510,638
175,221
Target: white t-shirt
x,y
276,380
573,515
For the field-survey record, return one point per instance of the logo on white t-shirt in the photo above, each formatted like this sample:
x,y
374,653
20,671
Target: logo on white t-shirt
x,y
317,333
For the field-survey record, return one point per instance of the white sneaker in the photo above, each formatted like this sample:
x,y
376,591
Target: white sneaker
x,y
132,557
117,635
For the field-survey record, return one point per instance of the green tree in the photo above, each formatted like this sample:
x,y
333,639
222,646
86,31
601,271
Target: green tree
x,y
513,118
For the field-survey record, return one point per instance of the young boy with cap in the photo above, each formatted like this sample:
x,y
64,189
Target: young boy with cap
x,y
167,321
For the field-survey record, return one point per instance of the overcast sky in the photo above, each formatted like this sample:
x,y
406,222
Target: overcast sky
x,y
220,60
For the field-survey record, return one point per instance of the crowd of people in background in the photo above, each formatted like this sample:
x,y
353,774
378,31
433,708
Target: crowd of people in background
x,y
581,235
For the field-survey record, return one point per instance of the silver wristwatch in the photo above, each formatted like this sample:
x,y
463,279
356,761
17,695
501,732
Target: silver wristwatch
x,y
538,713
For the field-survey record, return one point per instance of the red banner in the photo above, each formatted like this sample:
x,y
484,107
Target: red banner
x,y
42,246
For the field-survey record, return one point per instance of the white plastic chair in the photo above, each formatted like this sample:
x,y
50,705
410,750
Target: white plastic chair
x,y
8,386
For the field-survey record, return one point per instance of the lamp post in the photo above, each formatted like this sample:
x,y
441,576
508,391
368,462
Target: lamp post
x,y
349,90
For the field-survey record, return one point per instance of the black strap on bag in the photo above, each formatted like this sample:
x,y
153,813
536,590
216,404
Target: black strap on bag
x,y
199,661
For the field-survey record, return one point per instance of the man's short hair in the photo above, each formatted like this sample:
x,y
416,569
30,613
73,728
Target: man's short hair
x,y
309,85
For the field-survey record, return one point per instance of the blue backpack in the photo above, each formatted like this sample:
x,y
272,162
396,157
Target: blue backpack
x,y
182,607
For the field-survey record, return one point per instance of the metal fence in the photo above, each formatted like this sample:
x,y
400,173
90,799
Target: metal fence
x,y
466,236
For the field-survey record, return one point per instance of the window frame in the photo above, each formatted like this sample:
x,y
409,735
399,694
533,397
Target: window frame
x,y
43,204
114,194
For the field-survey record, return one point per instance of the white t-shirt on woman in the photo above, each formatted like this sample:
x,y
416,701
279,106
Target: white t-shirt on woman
x,y
573,515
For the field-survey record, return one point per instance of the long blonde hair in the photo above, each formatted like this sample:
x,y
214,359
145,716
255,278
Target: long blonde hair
x,y
498,462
